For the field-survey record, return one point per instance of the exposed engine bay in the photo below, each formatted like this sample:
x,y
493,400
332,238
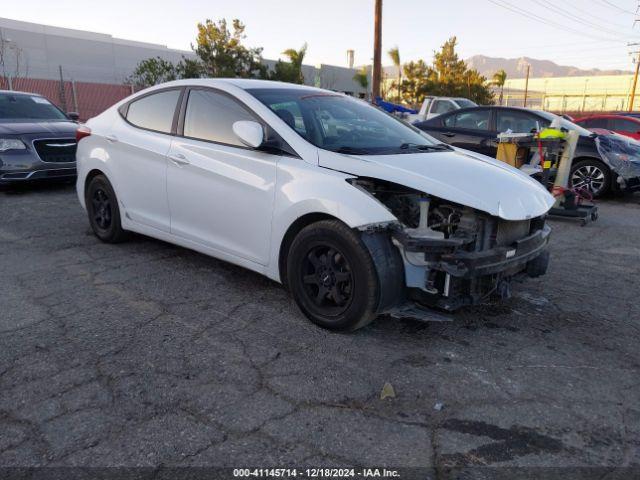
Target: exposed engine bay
x,y
454,255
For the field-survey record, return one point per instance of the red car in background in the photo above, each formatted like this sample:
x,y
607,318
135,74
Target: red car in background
x,y
622,124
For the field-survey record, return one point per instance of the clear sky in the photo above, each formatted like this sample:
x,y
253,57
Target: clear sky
x,y
583,33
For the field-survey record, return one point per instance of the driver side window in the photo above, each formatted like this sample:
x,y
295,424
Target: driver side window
x,y
210,116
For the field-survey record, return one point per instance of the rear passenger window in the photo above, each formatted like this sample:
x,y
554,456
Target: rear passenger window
x,y
210,116
623,125
155,111
594,123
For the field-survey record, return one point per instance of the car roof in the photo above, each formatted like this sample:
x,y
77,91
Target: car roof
x,y
610,115
13,92
492,107
243,83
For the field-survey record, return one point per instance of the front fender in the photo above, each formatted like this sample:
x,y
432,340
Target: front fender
x,y
318,190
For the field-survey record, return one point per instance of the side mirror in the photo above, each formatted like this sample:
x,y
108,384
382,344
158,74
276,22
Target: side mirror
x,y
249,132
75,116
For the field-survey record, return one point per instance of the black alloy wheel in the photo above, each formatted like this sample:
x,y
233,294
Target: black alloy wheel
x,y
332,277
103,210
101,207
327,279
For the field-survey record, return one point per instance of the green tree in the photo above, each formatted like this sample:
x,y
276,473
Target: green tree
x,y
296,57
222,53
417,82
290,71
451,77
153,71
394,54
189,68
499,79
362,77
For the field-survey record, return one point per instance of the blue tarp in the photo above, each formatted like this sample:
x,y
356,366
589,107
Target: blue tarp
x,y
392,107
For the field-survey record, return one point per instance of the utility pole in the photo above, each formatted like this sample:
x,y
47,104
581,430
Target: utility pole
x,y
526,85
635,79
377,50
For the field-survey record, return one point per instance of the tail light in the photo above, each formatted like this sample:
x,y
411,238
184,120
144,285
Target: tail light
x,y
81,132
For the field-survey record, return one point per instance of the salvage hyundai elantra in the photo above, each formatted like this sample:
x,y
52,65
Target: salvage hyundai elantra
x,y
356,212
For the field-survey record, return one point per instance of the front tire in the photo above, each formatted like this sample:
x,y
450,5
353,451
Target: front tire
x,y
332,277
591,175
103,211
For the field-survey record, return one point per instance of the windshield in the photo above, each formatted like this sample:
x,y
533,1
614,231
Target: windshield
x,y
28,107
564,123
464,103
343,124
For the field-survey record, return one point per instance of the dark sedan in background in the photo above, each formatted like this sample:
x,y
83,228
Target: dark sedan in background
x,y
37,139
476,129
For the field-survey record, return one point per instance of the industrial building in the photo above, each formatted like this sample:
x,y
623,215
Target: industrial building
x,y
572,94
48,52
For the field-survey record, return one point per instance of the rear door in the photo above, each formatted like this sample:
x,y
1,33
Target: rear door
x,y
138,146
221,193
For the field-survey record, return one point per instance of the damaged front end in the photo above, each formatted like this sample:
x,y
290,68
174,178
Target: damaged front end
x,y
623,156
453,255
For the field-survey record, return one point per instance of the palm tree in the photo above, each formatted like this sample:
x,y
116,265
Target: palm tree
x,y
394,54
362,78
499,79
296,57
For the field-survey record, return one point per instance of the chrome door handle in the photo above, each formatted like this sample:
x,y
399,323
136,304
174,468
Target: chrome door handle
x,y
111,138
179,159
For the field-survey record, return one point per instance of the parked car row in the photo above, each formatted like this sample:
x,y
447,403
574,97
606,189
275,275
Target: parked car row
x,y
477,129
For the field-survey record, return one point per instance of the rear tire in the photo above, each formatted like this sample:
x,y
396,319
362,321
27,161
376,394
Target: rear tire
x,y
332,277
591,174
103,211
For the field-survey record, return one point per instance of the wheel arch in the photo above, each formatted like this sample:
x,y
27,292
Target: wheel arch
x,y
612,174
293,230
90,176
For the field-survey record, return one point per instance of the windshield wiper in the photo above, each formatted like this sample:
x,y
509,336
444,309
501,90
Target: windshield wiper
x,y
438,147
351,150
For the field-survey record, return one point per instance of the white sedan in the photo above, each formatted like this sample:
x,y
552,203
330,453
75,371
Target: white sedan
x,y
358,213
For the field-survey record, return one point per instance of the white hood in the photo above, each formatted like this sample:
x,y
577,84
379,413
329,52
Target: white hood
x,y
459,176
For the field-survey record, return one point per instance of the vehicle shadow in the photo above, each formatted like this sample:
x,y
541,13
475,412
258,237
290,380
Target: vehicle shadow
x,y
37,187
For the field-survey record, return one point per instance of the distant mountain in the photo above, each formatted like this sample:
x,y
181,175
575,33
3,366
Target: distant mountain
x,y
517,68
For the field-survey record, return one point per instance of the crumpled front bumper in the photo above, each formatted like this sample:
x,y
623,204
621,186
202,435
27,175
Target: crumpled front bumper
x,y
465,264
449,273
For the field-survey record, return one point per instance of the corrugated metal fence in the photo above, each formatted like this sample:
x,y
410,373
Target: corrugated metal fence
x,y
88,99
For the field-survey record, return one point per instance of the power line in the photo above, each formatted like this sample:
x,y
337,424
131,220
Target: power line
x,y
613,5
545,21
572,17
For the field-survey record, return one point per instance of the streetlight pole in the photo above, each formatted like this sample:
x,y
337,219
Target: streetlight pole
x,y
526,86
377,50
635,82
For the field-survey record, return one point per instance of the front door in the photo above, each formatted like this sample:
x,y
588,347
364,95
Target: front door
x,y
221,193
469,129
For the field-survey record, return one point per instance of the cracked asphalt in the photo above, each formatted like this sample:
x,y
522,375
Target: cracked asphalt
x,y
147,354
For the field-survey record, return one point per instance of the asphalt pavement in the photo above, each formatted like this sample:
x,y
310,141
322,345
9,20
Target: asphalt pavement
x,y
147,354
